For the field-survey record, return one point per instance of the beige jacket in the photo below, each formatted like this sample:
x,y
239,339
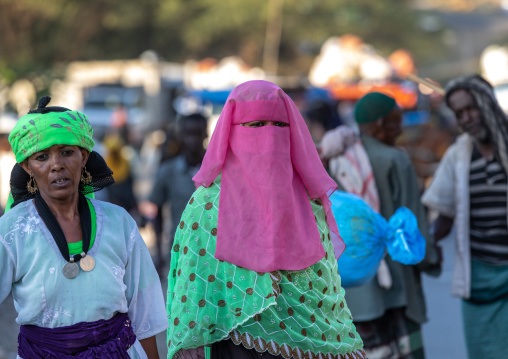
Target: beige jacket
x,y
449,195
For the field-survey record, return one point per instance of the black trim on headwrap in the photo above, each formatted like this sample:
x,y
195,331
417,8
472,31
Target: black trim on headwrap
x,y
43,102
102,177
494,117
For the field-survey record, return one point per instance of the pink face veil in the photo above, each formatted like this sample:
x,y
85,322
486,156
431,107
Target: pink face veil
x,y
265,220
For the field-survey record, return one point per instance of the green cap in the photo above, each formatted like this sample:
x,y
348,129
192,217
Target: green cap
x,y
373,106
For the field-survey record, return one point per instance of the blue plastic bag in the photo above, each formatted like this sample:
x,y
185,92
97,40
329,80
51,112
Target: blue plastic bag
x,y
368,236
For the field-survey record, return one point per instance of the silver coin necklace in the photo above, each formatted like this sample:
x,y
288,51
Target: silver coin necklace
x,y
87,263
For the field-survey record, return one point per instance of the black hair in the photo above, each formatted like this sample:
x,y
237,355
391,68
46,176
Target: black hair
x,y
192,117
42,107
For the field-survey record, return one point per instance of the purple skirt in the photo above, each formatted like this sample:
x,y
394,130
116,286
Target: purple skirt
x,y
106,339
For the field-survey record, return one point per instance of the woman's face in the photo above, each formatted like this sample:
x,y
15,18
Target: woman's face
x,y
264,123
57,170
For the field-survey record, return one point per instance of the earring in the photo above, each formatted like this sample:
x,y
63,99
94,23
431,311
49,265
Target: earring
x,y
31,186
86,177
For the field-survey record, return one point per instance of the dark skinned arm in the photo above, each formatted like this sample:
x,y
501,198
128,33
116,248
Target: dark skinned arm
x,y
150,347
442,227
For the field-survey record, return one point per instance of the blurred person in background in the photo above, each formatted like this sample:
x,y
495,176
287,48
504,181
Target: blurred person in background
x,y
121,193
470,190
7,160
321,116
389,310
169,149
173,181
81,276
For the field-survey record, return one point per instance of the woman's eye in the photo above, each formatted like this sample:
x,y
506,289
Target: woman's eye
x,y
43,157
257,124
67,152
280,124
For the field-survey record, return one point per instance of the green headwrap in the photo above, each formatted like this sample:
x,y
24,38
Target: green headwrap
x,y
37,131
373,106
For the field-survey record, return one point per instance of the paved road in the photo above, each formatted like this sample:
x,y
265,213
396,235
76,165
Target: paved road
x,y
443,338
442,335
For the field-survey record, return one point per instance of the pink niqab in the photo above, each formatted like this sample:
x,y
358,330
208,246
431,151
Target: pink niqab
x,y
265,219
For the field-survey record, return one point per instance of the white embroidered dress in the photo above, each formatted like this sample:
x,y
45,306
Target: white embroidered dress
x,y
124,279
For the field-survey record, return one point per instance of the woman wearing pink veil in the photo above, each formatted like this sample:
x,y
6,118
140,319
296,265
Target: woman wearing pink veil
x,y
254,262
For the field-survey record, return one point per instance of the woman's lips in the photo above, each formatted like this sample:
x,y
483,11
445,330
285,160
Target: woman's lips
x,y
60,181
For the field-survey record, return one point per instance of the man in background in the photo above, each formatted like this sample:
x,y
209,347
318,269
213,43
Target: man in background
x,y
389,310
173,182
470,189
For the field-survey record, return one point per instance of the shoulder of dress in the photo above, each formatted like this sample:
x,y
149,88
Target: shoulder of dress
x,y
21,210
112,212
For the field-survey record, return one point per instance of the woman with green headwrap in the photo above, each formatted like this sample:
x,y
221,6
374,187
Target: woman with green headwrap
x,y
83,281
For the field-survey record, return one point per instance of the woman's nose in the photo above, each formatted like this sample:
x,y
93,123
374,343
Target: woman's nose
x,y
465,118
56,163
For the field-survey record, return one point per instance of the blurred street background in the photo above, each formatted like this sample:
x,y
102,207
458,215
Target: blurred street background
x,y
136,67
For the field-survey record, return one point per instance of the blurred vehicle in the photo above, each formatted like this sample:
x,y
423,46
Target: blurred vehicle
x,y
101,103
134,93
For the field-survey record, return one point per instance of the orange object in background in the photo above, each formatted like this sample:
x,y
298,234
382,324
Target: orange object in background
x,y
402,63
405,98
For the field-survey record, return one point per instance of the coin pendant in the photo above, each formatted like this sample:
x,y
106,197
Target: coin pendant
x,y
70,270
87,263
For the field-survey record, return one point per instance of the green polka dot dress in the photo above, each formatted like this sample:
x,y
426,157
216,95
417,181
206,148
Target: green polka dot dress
x,y
296,314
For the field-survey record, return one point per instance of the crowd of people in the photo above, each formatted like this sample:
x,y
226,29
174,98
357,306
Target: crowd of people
x,y
253,246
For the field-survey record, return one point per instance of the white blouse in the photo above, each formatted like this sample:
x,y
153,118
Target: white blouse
x,y
124,279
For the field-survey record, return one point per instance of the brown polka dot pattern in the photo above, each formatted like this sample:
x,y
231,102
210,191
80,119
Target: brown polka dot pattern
x,y
182,223
293,286
176,248
176,321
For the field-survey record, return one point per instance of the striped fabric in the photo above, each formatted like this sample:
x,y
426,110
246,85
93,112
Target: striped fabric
x,y
489,226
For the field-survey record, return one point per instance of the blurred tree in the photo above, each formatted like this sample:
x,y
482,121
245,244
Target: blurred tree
x,y
35,35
